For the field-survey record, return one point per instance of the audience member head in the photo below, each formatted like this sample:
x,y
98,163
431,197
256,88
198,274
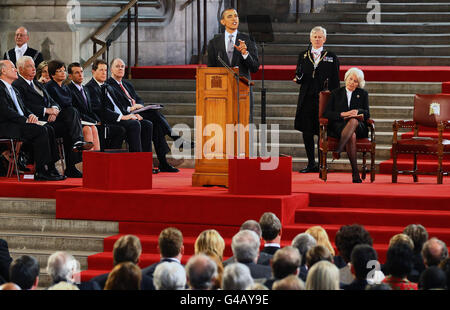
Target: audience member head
x,y
169,276
24,271
100,70
256,286
210,241
127,249
76,73
361,255
317,254
218,280
252,225
348,236
57,70
323,276
432,278
62,266
8,71
201,272
117,69
318,36
434,251
9,286
236,276
402,238
418,235
26,67
445,266
303,242
124,276
245,246
42,72
289,283
321,237
170,243
285,261
270,227
399,260
21,37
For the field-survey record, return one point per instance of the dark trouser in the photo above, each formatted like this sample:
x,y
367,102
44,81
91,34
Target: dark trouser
x,y
308,140
161,128
68,126
111,136
139,135
38,136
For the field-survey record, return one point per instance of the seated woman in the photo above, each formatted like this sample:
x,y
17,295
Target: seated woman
x,y
63,96
42,72
347,110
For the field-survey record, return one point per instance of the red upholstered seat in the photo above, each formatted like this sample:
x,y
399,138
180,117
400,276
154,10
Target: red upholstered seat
x,y
429,111
329,144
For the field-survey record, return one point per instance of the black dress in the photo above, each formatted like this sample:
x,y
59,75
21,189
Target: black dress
x,y
313,81
338,103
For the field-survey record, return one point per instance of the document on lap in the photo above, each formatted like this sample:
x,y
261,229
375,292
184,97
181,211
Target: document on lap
x,y
148,107
84,123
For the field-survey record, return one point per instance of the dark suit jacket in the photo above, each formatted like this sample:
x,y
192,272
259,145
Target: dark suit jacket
x,y
121,95
216,47
61,94
85,109
33,100
338,103
9,115
148,271
356,285
303,273
264,258
103,106
5,258
146,282
259,271
36,55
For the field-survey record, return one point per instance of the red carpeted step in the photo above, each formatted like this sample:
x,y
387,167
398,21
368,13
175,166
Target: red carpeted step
x,y
366,216
186,229
428,165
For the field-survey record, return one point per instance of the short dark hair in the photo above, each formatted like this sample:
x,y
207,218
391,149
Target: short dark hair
x,y
24,271
98,62
170,242
348,236
270,226
361,255
316,254
72,65
227,9
399,260
54,65
432,278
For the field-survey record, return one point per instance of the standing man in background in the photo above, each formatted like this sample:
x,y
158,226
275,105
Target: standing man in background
x,y
21,37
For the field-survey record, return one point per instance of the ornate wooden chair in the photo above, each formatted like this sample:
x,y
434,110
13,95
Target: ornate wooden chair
x,y
329,144
14,146
429,111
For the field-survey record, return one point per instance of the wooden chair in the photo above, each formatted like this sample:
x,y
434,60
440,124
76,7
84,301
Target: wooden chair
x,y
431,110
14,146
329,144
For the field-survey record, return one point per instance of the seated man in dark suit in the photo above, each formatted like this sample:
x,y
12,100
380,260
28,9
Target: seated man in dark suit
x,y
106,104
126,249
171,249
130,99
22,48
65,121
111,136
17,121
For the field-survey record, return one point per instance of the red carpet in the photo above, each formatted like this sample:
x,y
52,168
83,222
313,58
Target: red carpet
x,y
273,72
383,208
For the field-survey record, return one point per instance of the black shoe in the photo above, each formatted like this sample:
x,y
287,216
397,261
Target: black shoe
x,y
356,179
73,173
54,172
45,176
167,168
309,169
82,146
155,170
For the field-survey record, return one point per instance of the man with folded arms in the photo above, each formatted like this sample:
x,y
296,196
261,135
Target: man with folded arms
x,y
128,97
65,121
17,121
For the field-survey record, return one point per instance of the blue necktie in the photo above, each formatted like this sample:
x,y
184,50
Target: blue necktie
x,y
16,103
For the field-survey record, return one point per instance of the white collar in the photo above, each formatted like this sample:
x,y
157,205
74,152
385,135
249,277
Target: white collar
x,y
319,50
276,245
99,84
118,82
6,84
79,87
234,34
27,80
23,48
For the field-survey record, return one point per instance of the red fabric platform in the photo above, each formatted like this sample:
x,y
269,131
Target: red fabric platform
x,y
286,72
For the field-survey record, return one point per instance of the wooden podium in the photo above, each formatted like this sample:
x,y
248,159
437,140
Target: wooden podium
x,y
216,108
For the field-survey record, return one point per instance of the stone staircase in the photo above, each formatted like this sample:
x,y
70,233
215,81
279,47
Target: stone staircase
x,y
388,101
413,33
30,228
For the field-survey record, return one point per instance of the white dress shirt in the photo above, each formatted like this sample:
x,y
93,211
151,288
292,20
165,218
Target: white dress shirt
x,y
20,51
316,54
227,39
116,108
349,97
